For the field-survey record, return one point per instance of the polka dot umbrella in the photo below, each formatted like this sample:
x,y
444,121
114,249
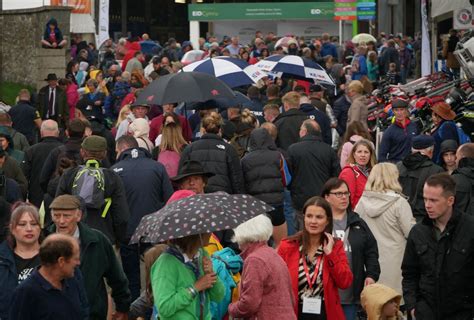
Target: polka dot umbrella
x,y
201,213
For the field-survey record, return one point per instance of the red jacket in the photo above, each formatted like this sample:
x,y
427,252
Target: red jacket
x,y
336,275
355,180
156,123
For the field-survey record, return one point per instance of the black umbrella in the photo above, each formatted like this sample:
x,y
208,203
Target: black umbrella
x,y
220,103
201,213
184,87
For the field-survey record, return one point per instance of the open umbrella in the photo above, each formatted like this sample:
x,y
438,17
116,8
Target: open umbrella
x,y
201,213
285,42
184,87
220,103
364,37
295,67
234,72
192,56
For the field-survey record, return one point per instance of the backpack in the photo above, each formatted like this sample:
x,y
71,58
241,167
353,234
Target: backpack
x,y
227,265
89,184
170,159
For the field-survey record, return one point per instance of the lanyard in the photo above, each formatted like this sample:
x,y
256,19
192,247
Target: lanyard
x,y
316,271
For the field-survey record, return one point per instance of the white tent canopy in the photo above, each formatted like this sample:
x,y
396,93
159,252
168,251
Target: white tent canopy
x,y
439,7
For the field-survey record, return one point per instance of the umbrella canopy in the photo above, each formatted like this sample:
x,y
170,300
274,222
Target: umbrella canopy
x,y
364,37
184,87
286,41
234,72
192,56
201,213
295,67
221,103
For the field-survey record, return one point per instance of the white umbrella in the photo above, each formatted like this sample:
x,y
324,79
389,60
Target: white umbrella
x,y
363,37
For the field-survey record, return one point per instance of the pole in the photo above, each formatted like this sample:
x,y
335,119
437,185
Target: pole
x,y
340,32
354,27
194,33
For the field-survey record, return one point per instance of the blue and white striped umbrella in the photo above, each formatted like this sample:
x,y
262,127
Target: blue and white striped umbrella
x,y
295,67
234,72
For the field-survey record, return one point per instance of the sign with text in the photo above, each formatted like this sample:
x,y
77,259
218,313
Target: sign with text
x,y
261,11
80,6
345,9
366,10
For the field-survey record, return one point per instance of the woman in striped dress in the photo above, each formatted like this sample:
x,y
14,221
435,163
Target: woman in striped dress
x,y
317,264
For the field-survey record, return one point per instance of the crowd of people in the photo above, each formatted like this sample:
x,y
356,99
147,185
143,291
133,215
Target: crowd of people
x,y
351,229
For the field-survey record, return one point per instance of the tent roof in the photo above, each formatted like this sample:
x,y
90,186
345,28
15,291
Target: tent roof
x,y
439,7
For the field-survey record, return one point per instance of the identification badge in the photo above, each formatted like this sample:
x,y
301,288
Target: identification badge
x,y
312,305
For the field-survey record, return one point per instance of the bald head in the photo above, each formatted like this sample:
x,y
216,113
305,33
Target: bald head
x,y
309,127
49,128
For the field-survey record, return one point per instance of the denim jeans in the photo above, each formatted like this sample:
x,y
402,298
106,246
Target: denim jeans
x,y
350,311
289,213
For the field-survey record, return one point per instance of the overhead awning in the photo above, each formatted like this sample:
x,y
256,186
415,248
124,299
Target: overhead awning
x,y
82,23
439,7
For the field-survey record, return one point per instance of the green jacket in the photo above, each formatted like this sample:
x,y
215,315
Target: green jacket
x,y
170,279
99,262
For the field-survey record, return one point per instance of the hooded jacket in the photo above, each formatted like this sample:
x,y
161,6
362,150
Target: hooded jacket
x,y
146,183
288,124
365,255
11,169
261,168
57,32
321,118
359,110
312,163
464,177
414,170
389,217
140,130
375,296
18,155
220,158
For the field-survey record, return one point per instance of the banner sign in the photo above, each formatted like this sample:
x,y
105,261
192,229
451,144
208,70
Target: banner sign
x,y
80,6
366,10
345,10
261,11
463,19
103,33
425,41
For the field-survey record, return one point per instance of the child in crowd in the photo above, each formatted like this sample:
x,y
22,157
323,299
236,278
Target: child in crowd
x,y
393,76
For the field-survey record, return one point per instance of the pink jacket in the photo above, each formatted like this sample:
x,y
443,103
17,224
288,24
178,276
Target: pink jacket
x,y
265,288
72,97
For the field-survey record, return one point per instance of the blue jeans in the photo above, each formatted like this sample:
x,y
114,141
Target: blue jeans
x,y
130,255
350,311
289,213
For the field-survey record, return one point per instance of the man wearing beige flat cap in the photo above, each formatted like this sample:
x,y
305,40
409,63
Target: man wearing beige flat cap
x,y
101,189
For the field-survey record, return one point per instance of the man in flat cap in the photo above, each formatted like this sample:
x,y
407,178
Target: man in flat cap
x,y
415,169
98,259
101,189
397,139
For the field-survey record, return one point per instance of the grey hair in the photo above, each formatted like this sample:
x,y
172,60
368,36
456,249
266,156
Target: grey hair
x,y
256,229
423,151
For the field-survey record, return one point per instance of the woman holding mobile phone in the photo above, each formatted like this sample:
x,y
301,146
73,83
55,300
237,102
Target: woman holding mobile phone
x,y
317,264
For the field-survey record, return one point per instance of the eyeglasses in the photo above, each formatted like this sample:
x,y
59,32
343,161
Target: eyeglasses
x,y
340,194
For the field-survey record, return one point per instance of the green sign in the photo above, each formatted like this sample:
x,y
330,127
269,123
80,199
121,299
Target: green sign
x,y
261,11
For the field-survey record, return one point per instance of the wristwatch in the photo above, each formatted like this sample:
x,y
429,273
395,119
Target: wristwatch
x,y
192,291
